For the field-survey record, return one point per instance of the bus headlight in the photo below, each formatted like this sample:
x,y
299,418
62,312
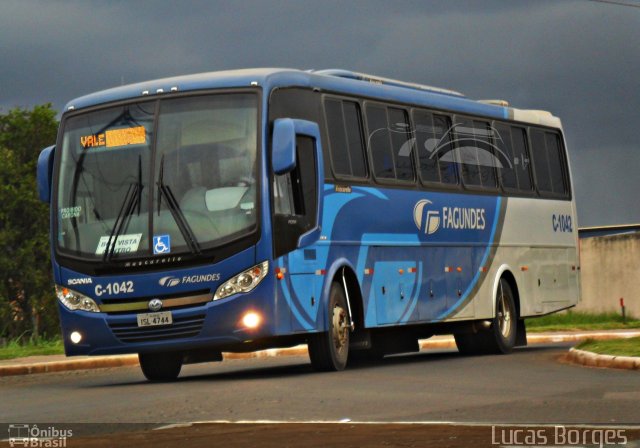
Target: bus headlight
x,y
75,301
243,282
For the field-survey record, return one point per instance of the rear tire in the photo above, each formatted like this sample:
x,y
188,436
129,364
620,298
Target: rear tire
x,y
505,324
500,337
160,367
329,350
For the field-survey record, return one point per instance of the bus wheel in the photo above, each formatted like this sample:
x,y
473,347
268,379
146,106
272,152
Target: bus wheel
x,y
500,337
329,350
160,366
505,321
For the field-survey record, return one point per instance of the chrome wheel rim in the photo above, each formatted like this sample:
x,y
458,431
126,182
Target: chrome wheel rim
x,y
340,331
504,314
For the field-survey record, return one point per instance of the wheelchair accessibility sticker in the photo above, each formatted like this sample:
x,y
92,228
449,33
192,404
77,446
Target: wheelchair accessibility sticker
x,y
161,244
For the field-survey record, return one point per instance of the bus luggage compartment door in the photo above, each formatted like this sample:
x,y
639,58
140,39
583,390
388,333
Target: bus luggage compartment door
x,y
395,292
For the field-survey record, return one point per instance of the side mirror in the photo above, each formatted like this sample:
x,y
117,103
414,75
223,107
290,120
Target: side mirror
x,y
283,154
45,173
284,159
311,129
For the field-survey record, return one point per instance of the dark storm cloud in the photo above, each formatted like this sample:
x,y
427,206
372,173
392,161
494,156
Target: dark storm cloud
x,y
578,59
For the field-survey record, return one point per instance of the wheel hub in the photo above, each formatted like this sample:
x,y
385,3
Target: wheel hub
x,y
340,328
504,317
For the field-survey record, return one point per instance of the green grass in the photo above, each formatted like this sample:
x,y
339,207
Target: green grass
x,y
617,347
575,320
16,349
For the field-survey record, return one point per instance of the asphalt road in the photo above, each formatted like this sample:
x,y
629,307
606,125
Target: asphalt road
x,y
529,386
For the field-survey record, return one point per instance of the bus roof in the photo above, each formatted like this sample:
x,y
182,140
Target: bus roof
x,y
334,80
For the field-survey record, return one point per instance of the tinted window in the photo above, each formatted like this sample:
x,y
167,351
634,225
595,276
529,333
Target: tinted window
x,y
504,145
436,158
487,162
390,143
541,161
353,126
306,105
478,159
427,146
467,150
402,144
345,138
337,137
521,158
446,155
379,142
513,157
555,163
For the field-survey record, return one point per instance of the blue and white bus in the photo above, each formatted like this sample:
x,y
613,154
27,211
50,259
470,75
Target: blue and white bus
x,y
241,210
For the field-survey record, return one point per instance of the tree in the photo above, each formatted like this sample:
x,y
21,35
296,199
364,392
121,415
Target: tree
x,y
27,302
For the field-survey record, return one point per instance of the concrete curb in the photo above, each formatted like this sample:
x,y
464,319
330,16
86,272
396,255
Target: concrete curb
x,y
25,367
591,359
70,364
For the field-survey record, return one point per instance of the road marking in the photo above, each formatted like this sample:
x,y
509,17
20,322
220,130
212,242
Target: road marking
x,y
347,421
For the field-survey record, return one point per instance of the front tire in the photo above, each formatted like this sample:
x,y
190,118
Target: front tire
x,y
160,367
329,350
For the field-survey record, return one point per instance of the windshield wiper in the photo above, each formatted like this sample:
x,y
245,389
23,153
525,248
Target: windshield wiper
x,y
174,208
132,199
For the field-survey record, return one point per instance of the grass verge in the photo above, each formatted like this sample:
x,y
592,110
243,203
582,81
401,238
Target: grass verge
x,y
617,347
15,349
575,320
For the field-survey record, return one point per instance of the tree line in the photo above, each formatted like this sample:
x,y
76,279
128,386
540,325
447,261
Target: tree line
x,y
27,298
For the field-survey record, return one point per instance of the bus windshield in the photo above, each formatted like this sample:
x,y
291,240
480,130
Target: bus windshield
x,y
158,177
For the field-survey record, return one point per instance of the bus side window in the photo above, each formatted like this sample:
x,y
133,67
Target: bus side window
x,y
487,161
541,161
294,198
379,144
522,159
427,146
507,172
467,150
447,163
402,144
513,154
556,163
477,156
345,138
390,143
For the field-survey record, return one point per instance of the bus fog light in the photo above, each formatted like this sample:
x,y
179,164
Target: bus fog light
x,y
251,320
75,337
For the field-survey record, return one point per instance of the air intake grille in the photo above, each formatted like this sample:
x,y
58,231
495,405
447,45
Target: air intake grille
x,y
182,327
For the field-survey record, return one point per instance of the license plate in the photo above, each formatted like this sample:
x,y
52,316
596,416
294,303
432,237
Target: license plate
x,y
154,319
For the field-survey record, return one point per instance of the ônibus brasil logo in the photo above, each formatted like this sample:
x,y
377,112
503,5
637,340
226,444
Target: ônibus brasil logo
x,y
432,219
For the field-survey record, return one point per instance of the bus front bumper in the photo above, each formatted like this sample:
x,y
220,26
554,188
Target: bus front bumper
x,y
230,322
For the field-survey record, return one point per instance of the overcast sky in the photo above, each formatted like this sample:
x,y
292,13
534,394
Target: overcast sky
x,y
579,59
